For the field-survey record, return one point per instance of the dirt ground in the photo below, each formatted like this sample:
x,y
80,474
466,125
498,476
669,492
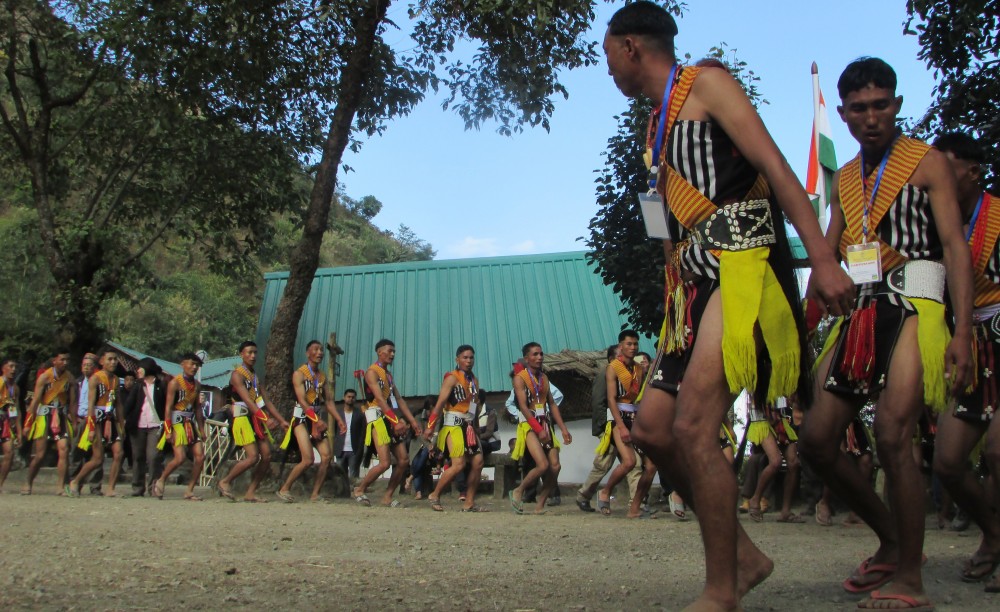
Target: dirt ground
x,y
140,553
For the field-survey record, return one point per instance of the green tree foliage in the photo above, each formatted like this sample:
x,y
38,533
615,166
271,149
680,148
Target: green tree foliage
x,y
497,60
625,257
960,42
114,162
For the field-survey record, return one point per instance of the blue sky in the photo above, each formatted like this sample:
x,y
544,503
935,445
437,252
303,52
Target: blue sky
x,y
476,193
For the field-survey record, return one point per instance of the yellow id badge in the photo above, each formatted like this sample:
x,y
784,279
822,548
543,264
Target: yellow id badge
x,y
260,402
539,407
864,262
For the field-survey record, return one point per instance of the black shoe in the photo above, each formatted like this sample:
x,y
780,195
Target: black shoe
x,y
553,501
584,505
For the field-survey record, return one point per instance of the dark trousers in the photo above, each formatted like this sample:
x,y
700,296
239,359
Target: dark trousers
x,y
351,461
146,458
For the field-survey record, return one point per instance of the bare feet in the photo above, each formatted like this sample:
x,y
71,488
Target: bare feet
x,y
225,491
191,496
703,604
255,500
823,515
27,490
751,570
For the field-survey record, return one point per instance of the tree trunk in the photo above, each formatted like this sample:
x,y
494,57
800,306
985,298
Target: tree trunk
x,y
304,260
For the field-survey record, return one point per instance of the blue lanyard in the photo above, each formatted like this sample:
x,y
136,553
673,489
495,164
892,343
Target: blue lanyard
x,y
314,376
537,384
975,217
664,106
878,183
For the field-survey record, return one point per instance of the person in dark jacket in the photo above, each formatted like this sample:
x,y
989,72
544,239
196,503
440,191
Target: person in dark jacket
x,y
144,407
349,448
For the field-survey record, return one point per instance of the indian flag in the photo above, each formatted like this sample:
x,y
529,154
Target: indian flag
x,y
822,157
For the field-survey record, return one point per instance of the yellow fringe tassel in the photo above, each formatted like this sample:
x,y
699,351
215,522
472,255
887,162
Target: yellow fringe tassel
x,y
933,338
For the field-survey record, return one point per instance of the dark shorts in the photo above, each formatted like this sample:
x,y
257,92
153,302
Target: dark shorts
x,y
889,320
668,369
980,405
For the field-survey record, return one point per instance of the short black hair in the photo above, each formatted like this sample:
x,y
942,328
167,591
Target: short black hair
x,y
463,348
863,72
346,391
195,358
61,350
527,347
384,342
612,351
961,145
627,333
646,19
245,344
312,342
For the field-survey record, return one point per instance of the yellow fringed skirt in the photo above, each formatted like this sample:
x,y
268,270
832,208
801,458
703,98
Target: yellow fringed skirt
x,y
378,432
758,431
243,433
520,444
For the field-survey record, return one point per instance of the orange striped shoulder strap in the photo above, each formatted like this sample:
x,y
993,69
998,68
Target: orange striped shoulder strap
x,y
685,202
904,158
984,242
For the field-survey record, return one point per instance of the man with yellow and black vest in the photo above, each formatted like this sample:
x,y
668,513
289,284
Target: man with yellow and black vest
x,y
961,428
895,219
623,378
308,425
721,190
386,430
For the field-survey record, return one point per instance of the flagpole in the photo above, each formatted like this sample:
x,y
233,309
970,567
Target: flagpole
x,y
820,182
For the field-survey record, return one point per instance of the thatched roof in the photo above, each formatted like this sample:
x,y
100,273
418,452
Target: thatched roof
x,y
586,364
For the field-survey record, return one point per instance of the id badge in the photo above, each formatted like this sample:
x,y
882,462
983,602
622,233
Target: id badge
x,y
864,262
654,215
539,407
260,402
393,402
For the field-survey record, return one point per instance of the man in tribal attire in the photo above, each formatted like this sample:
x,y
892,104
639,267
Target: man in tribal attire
x,y
11,433
602,463
960,430
104,428
308,425
731,286
386,431
895,218
538,413
48,420
623,377
183,426
771,429
459,435
251,426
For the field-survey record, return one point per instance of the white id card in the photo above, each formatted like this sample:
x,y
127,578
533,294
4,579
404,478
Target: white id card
x,y
654,215
864,262
260,402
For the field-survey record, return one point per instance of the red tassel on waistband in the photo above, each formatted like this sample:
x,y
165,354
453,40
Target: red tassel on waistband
x,y
859,346
258,420
470,436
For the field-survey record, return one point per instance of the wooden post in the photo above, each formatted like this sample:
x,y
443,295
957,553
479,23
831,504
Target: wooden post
x,y
331,381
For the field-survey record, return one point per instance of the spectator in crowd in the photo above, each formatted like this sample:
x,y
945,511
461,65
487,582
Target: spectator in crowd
x,y
144,407
349,447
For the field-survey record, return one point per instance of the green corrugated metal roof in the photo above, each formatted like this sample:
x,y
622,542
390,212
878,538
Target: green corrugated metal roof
x,y
428,309
214,372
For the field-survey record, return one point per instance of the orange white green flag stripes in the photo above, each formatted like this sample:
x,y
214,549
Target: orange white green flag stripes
x,y
822,157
